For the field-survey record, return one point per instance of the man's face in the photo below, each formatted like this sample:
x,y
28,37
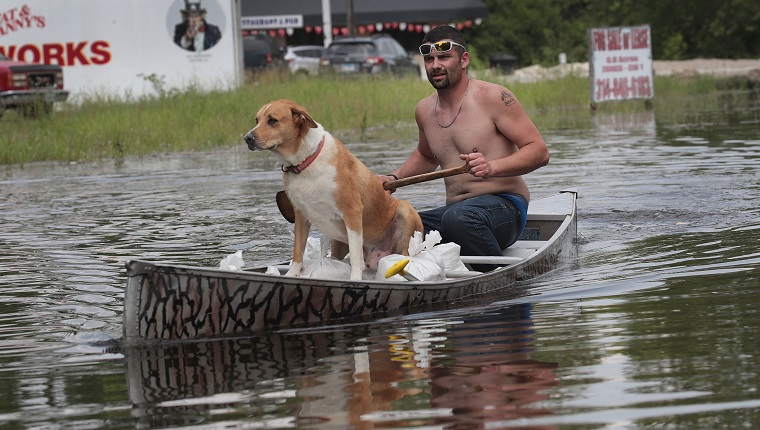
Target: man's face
x,y
443,68
194,19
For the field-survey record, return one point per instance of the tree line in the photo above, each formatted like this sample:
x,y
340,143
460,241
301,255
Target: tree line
x,y
537,31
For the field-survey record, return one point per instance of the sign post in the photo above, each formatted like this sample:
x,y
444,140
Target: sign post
x,y
620,64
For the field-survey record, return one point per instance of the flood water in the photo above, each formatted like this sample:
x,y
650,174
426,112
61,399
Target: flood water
x,y
653,324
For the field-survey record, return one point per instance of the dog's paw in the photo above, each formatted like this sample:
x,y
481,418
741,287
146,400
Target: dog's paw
x,y
296,273
295,270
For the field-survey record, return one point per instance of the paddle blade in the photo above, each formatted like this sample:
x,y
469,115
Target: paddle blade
x,y
285,207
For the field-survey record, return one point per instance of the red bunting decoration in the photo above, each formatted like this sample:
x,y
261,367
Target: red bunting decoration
x,y
364,29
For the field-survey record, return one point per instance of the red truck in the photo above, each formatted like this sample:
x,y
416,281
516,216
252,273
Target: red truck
x,y
30,88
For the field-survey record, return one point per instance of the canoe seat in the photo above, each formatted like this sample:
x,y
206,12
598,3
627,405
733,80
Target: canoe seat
x,y
524,248
527,244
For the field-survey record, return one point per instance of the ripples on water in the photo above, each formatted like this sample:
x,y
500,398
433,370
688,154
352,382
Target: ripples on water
x,y
652,324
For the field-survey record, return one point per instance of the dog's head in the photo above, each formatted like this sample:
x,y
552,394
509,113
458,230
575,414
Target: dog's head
x,y
281,123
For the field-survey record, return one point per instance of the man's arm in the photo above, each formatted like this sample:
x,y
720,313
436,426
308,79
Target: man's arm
x,y
416,164
513,122
421,160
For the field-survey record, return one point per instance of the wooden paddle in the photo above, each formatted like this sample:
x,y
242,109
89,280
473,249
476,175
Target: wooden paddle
x,y
289,213
438,174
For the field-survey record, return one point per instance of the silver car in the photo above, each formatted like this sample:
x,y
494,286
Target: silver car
x,y
304,59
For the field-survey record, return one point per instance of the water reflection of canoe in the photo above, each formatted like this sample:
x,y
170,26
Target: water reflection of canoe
x,y
171,302
468,368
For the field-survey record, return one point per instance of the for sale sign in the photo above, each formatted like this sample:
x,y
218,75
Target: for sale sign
x,y
620,63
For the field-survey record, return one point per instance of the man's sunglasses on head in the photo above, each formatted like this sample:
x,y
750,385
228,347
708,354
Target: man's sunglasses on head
x,y
442,46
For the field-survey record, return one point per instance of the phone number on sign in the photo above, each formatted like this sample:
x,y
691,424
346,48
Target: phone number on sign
x,y
622,88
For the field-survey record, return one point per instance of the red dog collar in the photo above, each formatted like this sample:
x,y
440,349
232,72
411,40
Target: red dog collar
x,y
305,163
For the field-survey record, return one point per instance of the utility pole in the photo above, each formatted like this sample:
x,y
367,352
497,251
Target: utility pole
x,y
326,22
350,17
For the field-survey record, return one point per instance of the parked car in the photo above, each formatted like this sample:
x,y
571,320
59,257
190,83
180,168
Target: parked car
x,y
379,53
304,59
261,51
30,88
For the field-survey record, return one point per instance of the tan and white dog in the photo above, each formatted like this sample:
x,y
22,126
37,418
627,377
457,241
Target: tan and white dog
x,y
331,189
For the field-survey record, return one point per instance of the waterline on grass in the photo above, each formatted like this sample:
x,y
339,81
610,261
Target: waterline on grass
x,y
104,128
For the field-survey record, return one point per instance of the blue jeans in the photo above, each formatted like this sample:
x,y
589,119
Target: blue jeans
x,y
482,225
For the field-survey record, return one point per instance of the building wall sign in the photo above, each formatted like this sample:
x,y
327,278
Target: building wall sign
x,y
126,49
271,22
620,63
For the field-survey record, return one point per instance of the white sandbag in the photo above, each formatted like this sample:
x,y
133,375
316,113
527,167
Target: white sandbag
x,y
317,264
417,243
427,266
449,253
232,262
385,263
326,267
432,239
316,248
423,265
272,270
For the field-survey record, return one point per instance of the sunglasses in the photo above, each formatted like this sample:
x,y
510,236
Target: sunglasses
x,y
443,46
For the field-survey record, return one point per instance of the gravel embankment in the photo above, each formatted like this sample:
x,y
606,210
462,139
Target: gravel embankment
x,y
701,66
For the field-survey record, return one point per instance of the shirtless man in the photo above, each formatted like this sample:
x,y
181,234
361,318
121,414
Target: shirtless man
x,y
483,124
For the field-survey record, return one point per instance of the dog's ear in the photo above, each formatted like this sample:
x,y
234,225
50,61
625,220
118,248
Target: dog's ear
x,y
303,117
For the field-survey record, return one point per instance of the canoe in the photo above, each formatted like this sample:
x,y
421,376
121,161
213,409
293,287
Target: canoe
x,y
173,302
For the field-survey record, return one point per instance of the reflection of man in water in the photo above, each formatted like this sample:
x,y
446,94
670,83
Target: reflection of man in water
x,y
194,33
488,374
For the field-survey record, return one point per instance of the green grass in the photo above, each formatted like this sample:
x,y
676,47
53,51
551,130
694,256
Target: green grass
x,y
104,128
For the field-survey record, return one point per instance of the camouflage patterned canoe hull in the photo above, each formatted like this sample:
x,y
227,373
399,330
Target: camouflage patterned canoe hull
x,y
171,302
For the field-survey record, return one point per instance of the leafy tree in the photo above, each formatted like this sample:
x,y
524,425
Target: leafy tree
x,y
536,31
511,27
